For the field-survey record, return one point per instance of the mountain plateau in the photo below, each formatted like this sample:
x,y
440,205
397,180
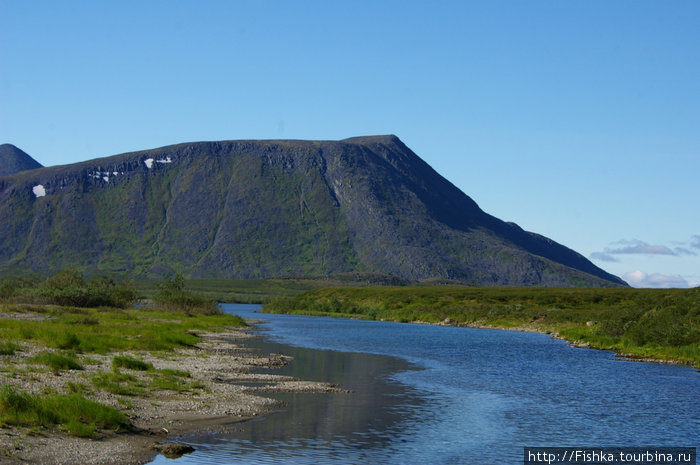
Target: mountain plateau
x,y
270,208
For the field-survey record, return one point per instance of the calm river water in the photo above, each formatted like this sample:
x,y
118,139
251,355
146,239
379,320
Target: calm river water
x,y
441,395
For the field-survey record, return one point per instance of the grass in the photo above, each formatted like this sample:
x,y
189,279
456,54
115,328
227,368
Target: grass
x,y
262,290
56,362
645,323
8,348
71,412
121,361
67,329
123,384
154,379
174,380
127,384
117,330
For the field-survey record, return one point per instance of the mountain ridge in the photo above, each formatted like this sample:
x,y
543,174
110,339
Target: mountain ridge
x,y
251,208
14,160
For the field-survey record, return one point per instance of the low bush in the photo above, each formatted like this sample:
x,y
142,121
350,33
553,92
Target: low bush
x,y
172,295
68,287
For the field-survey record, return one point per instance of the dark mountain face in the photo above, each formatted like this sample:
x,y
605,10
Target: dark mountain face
x,y
271,208
14,160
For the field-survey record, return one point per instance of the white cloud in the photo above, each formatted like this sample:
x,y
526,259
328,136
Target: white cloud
x,y
639,278
683,251
603,257
637,247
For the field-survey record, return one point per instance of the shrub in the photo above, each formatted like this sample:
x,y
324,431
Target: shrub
x,y
13,287
667,326
172,295
69,288
7,289
65,279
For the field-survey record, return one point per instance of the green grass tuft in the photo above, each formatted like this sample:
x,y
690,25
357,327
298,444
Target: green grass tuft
x,y
8,348
56,362
118,383
72,412
121,361
174,380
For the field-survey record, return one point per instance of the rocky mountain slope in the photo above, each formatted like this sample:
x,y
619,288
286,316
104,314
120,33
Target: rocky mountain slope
x,y
271,208
14,160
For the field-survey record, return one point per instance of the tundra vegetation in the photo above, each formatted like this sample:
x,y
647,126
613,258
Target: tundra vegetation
x,y
67,323
267,209
661,324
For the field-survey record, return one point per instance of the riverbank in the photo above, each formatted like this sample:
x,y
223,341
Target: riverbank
x,y
555,335
642,324
204,384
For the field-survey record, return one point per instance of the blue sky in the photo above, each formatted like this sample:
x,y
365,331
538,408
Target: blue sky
x,y
579,120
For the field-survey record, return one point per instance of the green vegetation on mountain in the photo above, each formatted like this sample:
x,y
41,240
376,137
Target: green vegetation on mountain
x,y
643,323
270,209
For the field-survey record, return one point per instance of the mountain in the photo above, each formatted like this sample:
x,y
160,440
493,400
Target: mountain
x,y
251,209
14,160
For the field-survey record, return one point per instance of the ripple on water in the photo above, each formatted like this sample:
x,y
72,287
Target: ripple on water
x,y
460,396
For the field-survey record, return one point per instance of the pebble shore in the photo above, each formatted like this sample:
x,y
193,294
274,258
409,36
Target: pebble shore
x,y
221,362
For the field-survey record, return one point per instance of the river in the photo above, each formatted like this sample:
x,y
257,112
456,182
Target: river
x,y
443,395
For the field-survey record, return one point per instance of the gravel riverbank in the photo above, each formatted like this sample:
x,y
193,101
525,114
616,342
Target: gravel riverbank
x,y
228,391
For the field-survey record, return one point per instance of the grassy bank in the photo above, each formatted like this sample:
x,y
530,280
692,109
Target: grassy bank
x,y
73,413
659,324
235,290
88,329
262,290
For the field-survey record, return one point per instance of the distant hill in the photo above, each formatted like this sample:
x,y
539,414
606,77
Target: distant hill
x,y
252,209
14,160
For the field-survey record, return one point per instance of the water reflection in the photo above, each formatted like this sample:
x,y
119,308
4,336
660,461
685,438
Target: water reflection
x,y
471,396
321,428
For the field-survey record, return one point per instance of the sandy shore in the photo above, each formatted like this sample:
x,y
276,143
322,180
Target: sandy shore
x,y
222,365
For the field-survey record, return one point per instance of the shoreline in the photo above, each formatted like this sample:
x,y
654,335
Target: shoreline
x,y
573,343
221,363
526,329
